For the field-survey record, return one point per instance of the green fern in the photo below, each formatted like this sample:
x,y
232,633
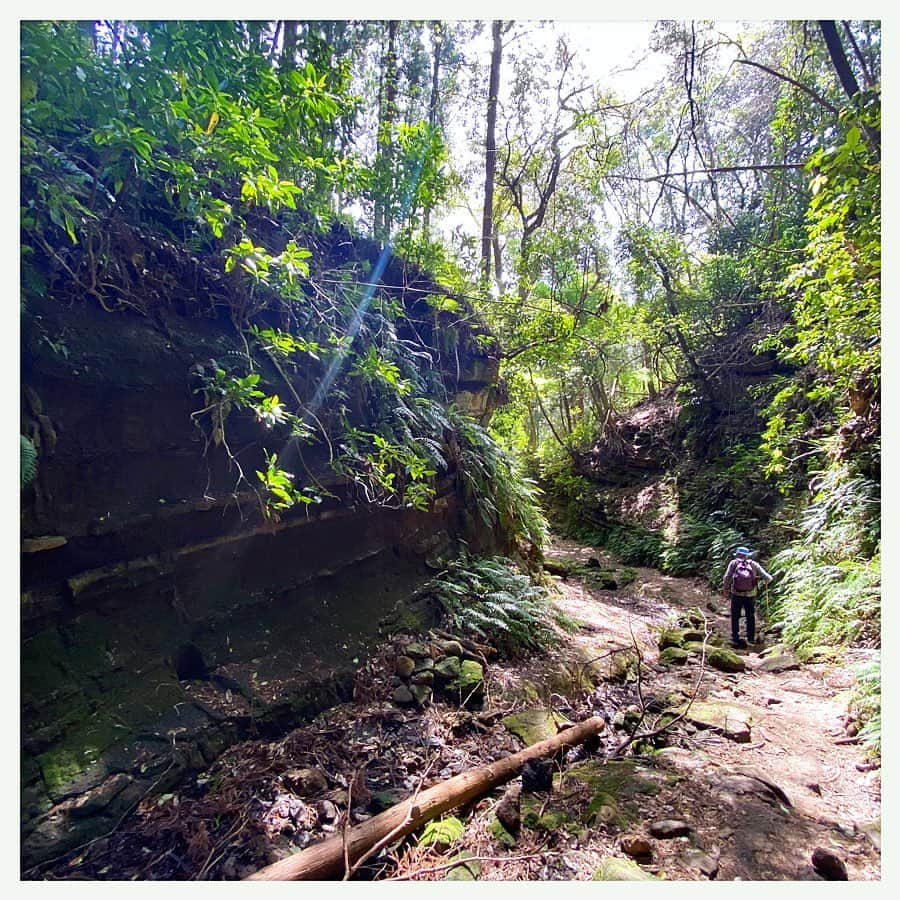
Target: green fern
x,y
489,599
28,460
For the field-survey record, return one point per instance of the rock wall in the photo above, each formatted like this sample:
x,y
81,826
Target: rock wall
x,y
162,617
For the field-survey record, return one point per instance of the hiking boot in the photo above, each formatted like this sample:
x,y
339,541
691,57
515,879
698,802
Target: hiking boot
x,y
739,644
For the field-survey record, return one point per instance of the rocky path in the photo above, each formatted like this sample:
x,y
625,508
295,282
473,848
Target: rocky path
x,y
755,779
781,778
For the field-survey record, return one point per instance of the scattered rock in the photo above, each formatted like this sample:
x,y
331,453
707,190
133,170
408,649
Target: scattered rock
x,y
593,562
697,859
729,719
306,782
508,810
421,693
533,725
404,666
470,682
448,669
450,648
724,660
423,677
417,650
614,868
424,665
782,662
537,775
636,845
403,696
468,871
327,811
669,828
830,866
673,656
872,830
98,799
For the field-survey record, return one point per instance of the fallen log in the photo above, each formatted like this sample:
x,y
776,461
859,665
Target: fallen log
x,y
332,857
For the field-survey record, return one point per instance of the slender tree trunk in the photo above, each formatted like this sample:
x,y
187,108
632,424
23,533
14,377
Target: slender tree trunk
x,y
437,44
839,58
384,161
289,44
490,148
845,73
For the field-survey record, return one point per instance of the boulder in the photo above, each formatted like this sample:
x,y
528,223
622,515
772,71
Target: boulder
x,y
421,693
673,656
724,660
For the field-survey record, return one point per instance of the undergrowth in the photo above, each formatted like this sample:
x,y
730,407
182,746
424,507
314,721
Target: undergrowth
x,y
489,598
493,483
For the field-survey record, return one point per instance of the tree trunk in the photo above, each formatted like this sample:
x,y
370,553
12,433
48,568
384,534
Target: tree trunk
x,y
330,857
437,44
490,151
839,58
289,44
384,160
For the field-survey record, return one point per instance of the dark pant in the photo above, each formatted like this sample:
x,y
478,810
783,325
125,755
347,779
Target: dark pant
x,y
748,604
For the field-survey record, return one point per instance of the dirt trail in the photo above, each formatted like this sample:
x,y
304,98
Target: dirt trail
x,y
797,740
751,797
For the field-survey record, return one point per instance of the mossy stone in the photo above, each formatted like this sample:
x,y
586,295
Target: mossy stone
x,y
470,681
500,834
725,660
614,868
673,656
533,725
448,669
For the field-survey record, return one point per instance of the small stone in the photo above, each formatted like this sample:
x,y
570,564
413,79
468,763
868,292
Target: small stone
x,y
636,845
508,810
669,828
417,650
673,656
448,668
450,648
327,810
423,677
98,799
830,866
697,859
403,696
306,782
782,662
404,666
537,775
424,665
614,868
593,562
421,693
382,800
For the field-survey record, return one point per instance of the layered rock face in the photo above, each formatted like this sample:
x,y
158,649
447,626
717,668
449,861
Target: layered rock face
x,y
163,617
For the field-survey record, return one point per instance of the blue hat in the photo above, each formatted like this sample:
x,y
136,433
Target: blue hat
x,y
744,551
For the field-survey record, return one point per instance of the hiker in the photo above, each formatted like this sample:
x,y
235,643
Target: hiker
x,y
741,579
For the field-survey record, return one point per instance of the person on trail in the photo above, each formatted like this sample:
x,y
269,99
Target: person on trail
x,y
741,580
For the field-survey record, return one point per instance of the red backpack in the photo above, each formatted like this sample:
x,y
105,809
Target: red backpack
x,y
744,577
